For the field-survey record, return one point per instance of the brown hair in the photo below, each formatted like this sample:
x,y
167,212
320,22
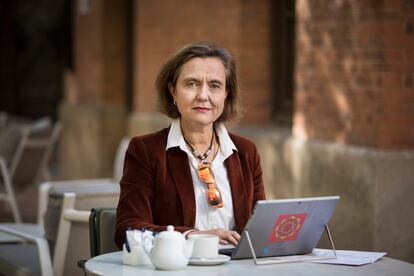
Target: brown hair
x,y
171,69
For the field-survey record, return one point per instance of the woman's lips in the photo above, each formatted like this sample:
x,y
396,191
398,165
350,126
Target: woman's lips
x,y
201,109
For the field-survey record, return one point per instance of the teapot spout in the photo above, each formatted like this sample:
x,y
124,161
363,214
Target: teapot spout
x,y
188,248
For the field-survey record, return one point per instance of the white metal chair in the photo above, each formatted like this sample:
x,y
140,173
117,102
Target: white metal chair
x,y
78,197
24,158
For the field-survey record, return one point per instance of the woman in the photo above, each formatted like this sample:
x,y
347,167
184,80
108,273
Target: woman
x,y
193,175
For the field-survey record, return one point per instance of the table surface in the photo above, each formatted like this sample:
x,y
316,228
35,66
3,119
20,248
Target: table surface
x,y
111,264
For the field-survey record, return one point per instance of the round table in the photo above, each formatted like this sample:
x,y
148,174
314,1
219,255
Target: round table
x,y
111,264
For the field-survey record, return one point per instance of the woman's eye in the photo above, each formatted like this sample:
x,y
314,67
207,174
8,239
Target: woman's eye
x,y
192,84
215,86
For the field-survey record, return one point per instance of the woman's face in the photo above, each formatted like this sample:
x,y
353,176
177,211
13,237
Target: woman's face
x,y
200,91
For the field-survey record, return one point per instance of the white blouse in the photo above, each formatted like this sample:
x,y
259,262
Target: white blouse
x,y
206,216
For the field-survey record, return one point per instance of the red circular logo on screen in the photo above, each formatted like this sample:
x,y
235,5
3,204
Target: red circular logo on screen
x,y
287,227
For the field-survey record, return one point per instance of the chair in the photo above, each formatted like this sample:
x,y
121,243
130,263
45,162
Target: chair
x,y
7,119
69,243
65,232
102,231
33,234
25,151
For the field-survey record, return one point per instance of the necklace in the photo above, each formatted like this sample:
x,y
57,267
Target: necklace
x,y
206,153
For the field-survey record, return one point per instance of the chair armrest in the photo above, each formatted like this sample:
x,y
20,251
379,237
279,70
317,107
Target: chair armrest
x,y
46,186
76,215
42,246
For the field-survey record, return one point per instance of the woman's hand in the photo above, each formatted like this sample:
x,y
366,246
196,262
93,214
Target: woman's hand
x,y
225,236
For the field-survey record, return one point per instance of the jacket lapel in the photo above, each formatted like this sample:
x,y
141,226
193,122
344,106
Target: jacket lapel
x,y
181,174
238,193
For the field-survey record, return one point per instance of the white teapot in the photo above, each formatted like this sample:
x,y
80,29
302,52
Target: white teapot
x,y
171,250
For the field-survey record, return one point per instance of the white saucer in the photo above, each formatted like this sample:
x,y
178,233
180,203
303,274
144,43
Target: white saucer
x,y
221,259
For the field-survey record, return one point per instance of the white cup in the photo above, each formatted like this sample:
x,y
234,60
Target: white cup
x,y
205,246
137,256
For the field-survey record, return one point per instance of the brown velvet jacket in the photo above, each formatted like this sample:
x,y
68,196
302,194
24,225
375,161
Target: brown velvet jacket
x,y
157,188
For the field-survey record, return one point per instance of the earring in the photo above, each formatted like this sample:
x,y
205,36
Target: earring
x,y
174,102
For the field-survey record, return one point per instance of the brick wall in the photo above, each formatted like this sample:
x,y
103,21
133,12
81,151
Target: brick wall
x,y
162,27
354,72
100,54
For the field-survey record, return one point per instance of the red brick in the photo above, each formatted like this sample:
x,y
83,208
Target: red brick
x,y
408,55
398,42
392,56
408,81
392,4
398,120
396,138
391,80
400,68
355,72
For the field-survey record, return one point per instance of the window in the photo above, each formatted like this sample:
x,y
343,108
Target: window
x,y
283,53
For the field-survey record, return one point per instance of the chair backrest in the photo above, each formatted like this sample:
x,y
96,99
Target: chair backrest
x,y
102,231
68,237
119,158
11,136
33,153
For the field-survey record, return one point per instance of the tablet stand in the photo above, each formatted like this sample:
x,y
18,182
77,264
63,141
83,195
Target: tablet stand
x,y
291,258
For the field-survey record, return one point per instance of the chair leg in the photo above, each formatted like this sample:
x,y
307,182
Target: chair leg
x,y
44,256
61,245
67,216
10,196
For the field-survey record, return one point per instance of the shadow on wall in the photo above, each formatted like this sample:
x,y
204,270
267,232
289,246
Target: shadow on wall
x,y
339,89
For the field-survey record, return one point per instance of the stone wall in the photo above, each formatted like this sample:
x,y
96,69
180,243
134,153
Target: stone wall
x,y
89,140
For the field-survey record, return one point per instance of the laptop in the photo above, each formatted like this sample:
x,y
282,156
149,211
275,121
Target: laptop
x,y
284,227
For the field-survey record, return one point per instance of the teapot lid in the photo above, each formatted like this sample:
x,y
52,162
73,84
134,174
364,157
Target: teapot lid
x,y
170,233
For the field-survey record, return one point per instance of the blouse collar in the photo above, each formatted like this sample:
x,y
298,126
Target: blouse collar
x,y
176,139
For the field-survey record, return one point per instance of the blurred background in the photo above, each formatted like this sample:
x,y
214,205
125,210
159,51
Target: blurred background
x,y
328,88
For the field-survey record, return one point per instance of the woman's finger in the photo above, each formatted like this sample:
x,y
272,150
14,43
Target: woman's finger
x,y
233,238
223,241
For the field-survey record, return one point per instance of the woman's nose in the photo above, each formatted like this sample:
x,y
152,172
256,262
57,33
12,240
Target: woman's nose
x,y
203,94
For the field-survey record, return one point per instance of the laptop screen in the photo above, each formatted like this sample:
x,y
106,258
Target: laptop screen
x,y
285,227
